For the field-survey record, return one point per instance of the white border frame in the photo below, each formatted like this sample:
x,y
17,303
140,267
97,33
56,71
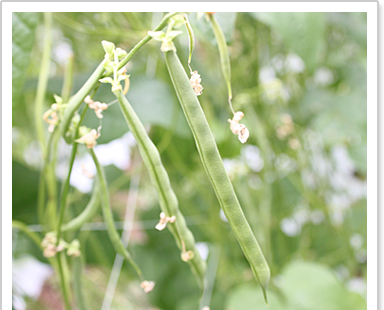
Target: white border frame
x,y
372,108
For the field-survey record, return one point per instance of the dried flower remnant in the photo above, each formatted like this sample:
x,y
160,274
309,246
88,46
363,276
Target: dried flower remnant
x,y
49,245
89,138
147,286
195,82
164,220
187,255
239,129
96,105
51,117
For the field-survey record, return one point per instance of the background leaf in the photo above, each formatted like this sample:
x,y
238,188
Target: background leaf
x,y
24,26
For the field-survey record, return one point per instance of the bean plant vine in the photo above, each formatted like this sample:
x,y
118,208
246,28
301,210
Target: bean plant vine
x,y
65,118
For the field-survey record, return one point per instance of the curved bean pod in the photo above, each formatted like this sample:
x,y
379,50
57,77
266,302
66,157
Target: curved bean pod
x,y
88,213
160,180
214,167
108,217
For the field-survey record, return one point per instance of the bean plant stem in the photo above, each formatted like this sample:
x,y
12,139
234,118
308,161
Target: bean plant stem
x,y
63,283
64,193
43,80
93,80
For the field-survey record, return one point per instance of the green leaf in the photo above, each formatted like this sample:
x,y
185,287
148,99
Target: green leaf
x,y
314,286
23,37
302,285
304,33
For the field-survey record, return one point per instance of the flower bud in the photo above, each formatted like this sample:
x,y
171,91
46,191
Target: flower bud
x,y
108,47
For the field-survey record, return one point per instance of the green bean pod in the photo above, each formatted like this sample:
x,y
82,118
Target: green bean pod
x,y
108,217
160,180
223,51
88,213
214,167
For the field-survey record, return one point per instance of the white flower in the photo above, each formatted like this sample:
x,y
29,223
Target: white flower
x,y
147,286
164,220
49,245
195,82
89,139
239,129
96,105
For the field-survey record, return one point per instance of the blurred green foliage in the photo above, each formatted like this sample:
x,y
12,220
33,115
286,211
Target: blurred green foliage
x,y
300,79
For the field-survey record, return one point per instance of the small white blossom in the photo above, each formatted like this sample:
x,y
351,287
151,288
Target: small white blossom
x,y
195,82
89,139
96,105
164,220
239,129
49,245
147,286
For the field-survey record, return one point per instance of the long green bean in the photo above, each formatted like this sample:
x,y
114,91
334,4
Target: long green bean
x,y
159,177
108,217
88,213
214,167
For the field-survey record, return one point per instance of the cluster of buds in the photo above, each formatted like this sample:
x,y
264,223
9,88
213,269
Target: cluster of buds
x,y
88,137
111,64
73,249
164,220
239,129
51,247
187,255
51,116
195,82
147,286
96,105
286,128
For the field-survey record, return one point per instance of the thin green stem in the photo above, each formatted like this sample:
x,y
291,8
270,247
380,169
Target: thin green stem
x,y
146,39
64,193
68,79
63,284
43,80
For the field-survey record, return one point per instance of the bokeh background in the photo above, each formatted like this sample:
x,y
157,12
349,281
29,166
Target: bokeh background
x,y
299,78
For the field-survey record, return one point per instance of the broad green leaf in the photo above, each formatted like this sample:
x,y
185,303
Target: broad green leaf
x,y
303,33
23,37
310,285
302,285
248,297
